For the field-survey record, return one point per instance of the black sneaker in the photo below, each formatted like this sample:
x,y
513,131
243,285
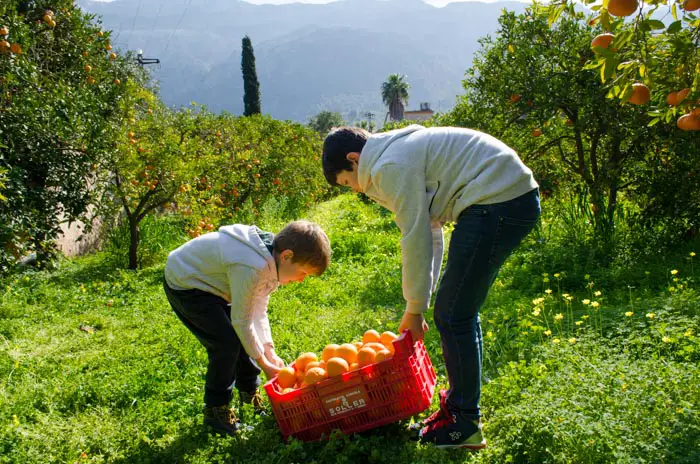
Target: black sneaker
x,y
254,398
221,419
451,430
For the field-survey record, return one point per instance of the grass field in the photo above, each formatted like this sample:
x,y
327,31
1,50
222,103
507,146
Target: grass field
x,y
566,380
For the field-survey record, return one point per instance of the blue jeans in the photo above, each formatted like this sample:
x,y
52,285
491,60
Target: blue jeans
x,y
208,317
484,236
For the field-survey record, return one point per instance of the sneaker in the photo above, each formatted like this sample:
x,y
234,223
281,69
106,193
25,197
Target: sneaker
x,y
441,412
221,419
451,430
254,398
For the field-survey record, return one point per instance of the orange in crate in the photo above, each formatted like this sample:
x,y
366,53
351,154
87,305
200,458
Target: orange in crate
x,y
371,396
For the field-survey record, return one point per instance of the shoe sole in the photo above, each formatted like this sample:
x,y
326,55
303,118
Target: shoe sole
x,y
474,447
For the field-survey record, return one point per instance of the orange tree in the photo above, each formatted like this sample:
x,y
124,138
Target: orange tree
x,y
531,87
256,158
650,54
60,84
207,168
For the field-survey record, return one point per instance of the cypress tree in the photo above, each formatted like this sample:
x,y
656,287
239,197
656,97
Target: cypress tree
x,y
251,86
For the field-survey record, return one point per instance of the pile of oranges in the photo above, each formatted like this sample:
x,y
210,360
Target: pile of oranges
x,y
336,360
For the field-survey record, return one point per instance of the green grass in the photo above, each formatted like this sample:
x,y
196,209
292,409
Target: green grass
x,y
626,389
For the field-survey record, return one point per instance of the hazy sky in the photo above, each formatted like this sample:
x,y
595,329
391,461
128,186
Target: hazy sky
x,y
280,2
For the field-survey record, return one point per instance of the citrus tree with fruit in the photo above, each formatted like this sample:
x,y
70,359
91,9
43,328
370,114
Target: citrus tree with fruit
x,y
533,87
647,54
60,84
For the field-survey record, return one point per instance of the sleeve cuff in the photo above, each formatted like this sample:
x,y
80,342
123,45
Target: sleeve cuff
x,y
416,308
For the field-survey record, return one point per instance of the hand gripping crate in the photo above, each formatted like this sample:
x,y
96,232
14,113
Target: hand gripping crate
x,y
369,397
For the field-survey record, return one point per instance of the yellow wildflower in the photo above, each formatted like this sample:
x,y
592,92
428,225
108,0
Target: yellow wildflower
x,y
584,317
598,293
548,332
666,339
565,295
586,301
559,317
556,276
545,280
572,340
587,276
15,421
688,333
674,272
536,312
579,322
629,313
489,334
651,315
548,291
555,340
595,304
692,253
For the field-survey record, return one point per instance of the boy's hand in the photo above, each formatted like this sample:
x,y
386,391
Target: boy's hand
x,y
272,356
415,323
268,368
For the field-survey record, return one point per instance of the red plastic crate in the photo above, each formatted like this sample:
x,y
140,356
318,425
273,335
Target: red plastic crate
x,y
374,395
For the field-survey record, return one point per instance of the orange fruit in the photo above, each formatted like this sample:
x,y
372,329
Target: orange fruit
x,y
354,367
287,390
315,374
375,346
4,31
689,122
672,98
370,336
286,377
300,377
4,46
366,356
87,68
348,352
622,7
383,355
112,56
387,338
515,98
303,360
337,366
330,351
682,95
16,48
602,41
537,132
358,345
640,94
311,365
691,5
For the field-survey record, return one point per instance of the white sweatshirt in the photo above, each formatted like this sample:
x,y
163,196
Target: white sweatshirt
x,y
427,177
235,264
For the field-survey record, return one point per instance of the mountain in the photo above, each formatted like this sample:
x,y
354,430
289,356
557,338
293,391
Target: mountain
x,y
309,57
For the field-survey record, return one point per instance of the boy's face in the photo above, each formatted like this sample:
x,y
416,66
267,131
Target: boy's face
x,y
287,271
349,178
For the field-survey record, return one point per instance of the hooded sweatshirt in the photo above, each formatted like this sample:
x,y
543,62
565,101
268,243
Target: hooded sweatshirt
x,y
427,177
235,264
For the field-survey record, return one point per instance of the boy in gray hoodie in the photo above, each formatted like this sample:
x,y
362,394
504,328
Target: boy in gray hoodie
x,y
427,177
219,285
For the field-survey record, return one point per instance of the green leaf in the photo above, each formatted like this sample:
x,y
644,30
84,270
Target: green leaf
x,y
653,122
674,12
555,13
642,70
675,26
654,24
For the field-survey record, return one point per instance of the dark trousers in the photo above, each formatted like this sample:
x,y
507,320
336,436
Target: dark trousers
x,y
484,236
208,317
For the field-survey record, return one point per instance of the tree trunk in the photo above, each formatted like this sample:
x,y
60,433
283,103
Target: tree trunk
x,y
133,243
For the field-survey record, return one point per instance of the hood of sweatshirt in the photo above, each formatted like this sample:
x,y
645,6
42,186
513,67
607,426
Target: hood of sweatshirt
x,y
253,251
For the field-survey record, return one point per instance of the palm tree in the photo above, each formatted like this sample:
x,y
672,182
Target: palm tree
x,y
395,96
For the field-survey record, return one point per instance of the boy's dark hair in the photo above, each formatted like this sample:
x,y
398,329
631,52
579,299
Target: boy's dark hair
x,y
339,142
309,243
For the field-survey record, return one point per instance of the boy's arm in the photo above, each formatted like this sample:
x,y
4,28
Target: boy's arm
x,y
243,281
262,328
403,189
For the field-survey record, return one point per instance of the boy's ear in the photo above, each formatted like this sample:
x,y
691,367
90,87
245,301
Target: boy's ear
x,y
353,156
287,254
